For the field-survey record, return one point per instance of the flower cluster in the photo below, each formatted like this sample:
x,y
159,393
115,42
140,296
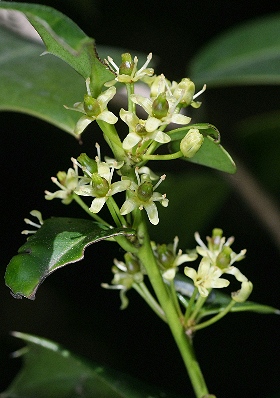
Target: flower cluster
x,y
126,275
169,258
143,196
218,259
93,109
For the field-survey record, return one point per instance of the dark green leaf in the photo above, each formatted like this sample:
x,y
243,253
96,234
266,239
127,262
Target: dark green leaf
x,y
247,54
210,154
40,86
60,241
66,40
50,371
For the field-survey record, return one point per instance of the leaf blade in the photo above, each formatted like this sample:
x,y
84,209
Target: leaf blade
x,y
50,371
246,54
60,241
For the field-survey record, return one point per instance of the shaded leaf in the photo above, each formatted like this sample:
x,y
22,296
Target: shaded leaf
x,y
246,54
66,40
60,241
40,86
50,371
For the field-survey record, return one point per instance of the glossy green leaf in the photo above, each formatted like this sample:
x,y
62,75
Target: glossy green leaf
x,y
50,371
60,241
246,54
206,129
211,153
66,40
40,86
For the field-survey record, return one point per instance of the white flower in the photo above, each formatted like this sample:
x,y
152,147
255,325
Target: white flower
x,y
100,184
67,182
153,122
220,253
206,277
127,72
94,109
169,259
143,197
139,131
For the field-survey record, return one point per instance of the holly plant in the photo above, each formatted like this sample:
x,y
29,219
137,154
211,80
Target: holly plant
x,y
121,195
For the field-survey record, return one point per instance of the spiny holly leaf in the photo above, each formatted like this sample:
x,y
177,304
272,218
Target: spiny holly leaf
x,y
66,40
211,153
50,371
60,241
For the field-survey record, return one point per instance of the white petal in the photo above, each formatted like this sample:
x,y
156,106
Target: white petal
x,y
128,206
119,186
104,170
129,118
85,190
152,212
180,119
152,124
108,117
238,275
146,103
161,137
82,123
191,273
130,141
97,204
106,96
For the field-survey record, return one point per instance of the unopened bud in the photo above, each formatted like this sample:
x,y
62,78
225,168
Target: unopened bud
x,y
184,91
191,143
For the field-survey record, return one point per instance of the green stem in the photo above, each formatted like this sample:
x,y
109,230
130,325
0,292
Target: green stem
x,y
215,318
190,305
113,140
169,156
142,289
86,208
183,342
198,305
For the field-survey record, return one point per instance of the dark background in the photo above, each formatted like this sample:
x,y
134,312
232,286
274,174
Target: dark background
x,y
240,355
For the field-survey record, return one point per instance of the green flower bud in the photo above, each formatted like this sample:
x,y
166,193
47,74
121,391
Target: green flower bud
x,y
241,295
91,106
87,162
223,259
131,263
100,185
145,191
165,256
185,91
127,65
191,143
160,106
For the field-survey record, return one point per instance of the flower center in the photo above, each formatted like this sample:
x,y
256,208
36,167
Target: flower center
x,y
100,185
